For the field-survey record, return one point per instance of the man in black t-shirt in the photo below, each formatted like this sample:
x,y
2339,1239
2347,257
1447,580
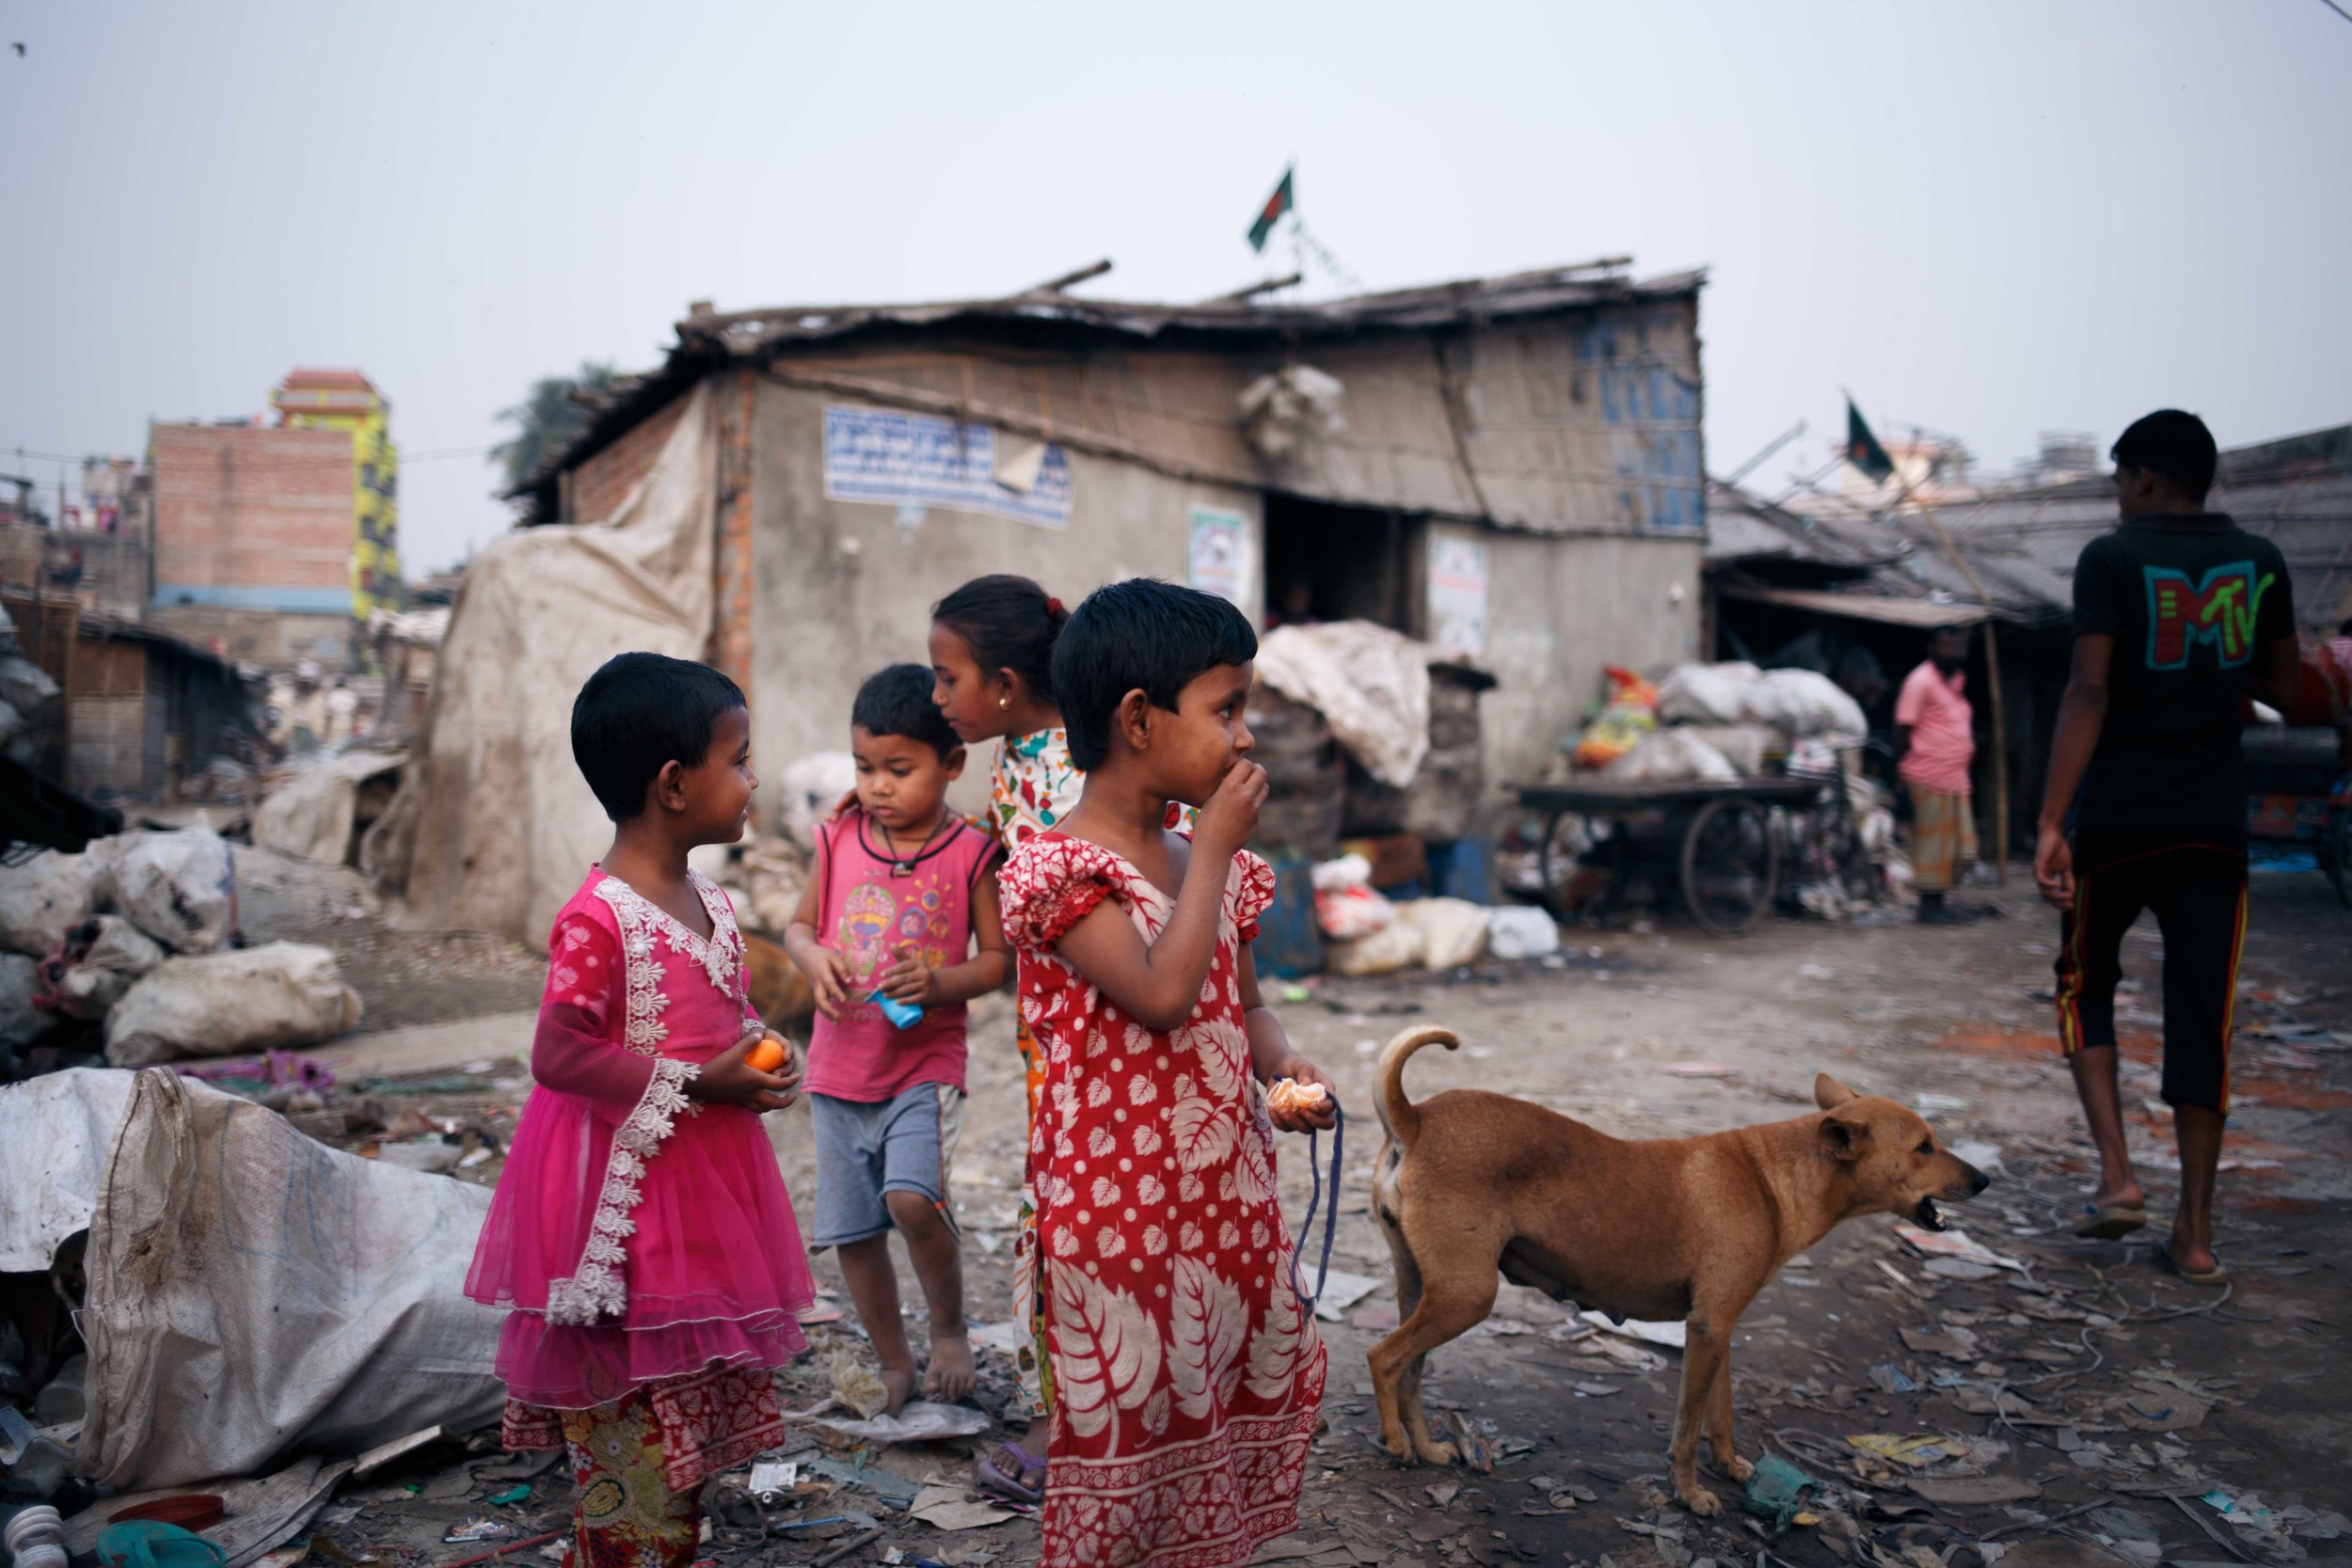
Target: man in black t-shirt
x,y
2180,615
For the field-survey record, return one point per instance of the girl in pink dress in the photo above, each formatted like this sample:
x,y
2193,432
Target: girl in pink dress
x,y
1187,1379
641,1234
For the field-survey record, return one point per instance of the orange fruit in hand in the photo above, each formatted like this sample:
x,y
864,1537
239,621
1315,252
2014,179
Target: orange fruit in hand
x,y
766,1055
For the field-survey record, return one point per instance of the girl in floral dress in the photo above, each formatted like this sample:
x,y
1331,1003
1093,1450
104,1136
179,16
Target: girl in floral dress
x,y
1187,1379
641,1235
992,646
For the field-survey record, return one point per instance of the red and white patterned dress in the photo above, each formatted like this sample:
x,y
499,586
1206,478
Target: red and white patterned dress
x,y
1187,1380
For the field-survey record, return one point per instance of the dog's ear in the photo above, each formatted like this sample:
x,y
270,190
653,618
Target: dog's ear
x,y
1845,1136
1829,1094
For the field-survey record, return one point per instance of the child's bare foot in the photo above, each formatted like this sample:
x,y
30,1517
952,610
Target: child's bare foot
x,y
901,1381
949,1375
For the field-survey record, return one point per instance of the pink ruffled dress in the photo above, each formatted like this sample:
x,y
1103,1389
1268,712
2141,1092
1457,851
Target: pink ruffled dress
x,y
643,1241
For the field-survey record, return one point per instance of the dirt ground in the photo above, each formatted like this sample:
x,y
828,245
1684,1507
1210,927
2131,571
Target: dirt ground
x,y
2089,1397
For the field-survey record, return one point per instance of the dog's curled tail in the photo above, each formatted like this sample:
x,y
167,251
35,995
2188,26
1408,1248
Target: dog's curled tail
x,y
1400,1115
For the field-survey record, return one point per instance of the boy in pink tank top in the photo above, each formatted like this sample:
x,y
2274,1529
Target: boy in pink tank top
x,y
896,930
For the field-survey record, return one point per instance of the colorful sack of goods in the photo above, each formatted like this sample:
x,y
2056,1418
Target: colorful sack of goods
x,y
1629,714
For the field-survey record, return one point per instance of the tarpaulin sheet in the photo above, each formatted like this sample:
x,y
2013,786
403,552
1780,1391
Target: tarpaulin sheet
x,y
494,828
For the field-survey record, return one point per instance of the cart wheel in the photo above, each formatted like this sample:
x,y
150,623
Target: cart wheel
x,y
1731,865
2336,855
1555,867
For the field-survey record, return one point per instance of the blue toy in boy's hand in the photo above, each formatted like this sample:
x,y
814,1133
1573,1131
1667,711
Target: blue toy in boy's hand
x,y
903,1015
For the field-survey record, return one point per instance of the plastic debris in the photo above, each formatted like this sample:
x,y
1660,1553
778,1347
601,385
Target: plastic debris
x,y
1953,1244
1918,1451
483,1528
920,1421
857,1385
1893,1379
1777,1490
519,1493
1669,1334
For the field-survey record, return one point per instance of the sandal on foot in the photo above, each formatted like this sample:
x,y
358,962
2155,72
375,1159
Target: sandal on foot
x,y
2107,1222
2215,1276
1010,1472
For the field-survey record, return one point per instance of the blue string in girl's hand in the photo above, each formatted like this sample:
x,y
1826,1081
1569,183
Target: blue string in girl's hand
x,y
1314,1201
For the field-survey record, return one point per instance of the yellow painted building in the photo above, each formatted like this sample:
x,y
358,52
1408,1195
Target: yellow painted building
x,y
346,399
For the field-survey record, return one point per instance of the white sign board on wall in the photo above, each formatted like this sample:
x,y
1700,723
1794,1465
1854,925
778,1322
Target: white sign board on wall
x,y
1457,595
1219,559
898,459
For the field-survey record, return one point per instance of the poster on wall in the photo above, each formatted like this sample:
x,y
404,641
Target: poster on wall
x,y
898,459
1457,595
1219,559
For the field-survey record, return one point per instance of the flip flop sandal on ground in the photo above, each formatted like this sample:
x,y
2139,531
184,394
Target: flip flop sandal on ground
x,y
2108,1222
2215,1276
1010,1472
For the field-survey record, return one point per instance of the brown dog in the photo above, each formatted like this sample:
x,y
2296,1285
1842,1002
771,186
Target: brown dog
x,y
1469,1184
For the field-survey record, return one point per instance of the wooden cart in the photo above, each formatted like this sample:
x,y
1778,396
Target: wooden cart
x,y
1717,842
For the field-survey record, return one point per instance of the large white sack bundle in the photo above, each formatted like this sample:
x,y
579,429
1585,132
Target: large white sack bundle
x,y
812,786
1673,756
1704,693
1801,705
1453,930
254,1293
1387,950
177,887
222,1004
1744,746
115,953
47,897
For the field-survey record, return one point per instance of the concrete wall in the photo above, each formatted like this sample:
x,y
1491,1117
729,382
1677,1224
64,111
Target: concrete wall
x,y
253,519
845,588
1558,609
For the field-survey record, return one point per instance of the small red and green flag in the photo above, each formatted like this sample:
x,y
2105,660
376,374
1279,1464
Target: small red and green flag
x,y
1271,213
1862,450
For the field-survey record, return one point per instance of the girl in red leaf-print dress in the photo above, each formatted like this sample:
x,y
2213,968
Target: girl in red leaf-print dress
x,y
1188,1380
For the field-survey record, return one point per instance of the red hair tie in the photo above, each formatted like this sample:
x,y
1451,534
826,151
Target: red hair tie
x,y
1052,606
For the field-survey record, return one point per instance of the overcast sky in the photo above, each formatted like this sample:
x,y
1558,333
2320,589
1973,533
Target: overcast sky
x,y
1986,218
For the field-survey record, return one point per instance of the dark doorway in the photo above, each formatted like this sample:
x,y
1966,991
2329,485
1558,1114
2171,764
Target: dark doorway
x,y
1326,562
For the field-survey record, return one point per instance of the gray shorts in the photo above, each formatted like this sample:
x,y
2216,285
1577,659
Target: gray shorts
x,y
867,1148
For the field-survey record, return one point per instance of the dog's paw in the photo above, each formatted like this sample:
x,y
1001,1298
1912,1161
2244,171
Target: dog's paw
x,y
1736,1468
1702,1502
1440,1453
1398,1446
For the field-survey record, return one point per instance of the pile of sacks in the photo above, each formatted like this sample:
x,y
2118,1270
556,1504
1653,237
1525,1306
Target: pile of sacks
x,y
1720,722
1367,933
128,941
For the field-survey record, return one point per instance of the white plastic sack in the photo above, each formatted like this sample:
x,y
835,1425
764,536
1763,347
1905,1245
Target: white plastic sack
x,y
1453,930
1704,693
24,685
1392,947
254,999
1347,871
310,815
177,887
1800,704
1673,756
1744,746
116,956
45,897
1370,684
812,786
254,1293
1517,931
55,1132
494,828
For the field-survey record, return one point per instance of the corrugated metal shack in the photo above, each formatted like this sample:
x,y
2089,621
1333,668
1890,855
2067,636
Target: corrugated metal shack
x,y
1510,467
139,715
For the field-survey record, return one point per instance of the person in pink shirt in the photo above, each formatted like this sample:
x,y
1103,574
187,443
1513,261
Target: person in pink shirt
x,y
1937,745
897,930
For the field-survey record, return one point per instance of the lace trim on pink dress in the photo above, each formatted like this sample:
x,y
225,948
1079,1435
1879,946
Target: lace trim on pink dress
x,y
595,1289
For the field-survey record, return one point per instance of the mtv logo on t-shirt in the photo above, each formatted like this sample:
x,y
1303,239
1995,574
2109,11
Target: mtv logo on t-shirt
x,y
2221,610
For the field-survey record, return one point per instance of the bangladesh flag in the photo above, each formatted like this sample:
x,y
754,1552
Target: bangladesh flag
x,y
1863,448
1276,205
